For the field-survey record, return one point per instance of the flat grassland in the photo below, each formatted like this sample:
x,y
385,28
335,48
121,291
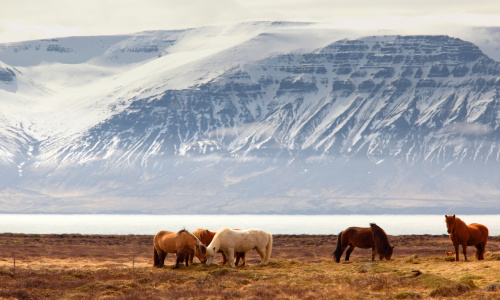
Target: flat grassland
x,y
301,267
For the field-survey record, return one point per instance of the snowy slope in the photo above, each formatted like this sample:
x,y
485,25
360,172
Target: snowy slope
x,y
247,115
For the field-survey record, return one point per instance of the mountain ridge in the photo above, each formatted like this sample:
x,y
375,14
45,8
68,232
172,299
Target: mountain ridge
x,y
412,121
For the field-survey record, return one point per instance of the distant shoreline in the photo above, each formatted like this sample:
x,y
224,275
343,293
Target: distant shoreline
x,y
277,224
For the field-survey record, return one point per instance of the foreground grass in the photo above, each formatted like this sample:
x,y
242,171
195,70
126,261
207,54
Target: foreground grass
x,y
401,278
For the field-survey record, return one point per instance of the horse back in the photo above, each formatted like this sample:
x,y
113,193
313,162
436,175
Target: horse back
x,y
478,233
358,236
165,241
243,240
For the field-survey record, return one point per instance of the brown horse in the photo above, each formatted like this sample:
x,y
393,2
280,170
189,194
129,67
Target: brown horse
x,y
372,237
205,236
182,243
467,235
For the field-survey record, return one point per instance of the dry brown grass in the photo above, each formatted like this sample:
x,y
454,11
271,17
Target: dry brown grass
x,y
301,267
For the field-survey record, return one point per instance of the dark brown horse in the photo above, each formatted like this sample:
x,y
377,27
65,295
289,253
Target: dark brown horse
x,y
372,237
205,236
467,235
182,243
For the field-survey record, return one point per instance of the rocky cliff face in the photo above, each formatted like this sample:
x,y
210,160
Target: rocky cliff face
x,y
417,99
384,123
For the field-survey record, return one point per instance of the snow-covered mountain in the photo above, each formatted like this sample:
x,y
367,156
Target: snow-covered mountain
x,y
252,118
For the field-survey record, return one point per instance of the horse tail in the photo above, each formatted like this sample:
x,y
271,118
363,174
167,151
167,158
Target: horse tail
x,y
156,258
486,233
479,250
269,248
338,251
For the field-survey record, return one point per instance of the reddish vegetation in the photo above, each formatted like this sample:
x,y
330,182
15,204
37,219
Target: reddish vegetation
x,y
98,266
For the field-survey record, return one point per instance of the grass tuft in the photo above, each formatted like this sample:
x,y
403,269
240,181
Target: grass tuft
x,y
492,256
414,259
451,289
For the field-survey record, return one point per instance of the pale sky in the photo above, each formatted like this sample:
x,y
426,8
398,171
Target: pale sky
x,y
35,19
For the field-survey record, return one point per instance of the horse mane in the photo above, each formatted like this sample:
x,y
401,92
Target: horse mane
x,y
380,239
215,241
460,227
223,229
182,230
199,233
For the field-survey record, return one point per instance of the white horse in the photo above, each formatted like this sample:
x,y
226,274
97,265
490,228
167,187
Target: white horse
x,y
230,241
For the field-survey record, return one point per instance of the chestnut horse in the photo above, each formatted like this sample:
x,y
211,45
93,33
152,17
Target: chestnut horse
x,y
182,243
467,235
231,241
205,236
372,237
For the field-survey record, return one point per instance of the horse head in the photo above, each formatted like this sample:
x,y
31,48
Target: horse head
x,y
210,253
388,253
201,253
450,223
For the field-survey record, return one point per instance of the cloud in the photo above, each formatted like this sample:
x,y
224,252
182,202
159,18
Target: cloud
x,y
55,18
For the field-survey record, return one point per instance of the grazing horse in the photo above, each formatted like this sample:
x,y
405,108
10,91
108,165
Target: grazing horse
x,y
182,243
467,235
230,241
372,237
205,236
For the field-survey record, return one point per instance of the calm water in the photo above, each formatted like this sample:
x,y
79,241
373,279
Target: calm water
x,y
276,224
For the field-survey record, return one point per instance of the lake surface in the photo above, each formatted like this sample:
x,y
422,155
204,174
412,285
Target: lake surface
x,y
276,224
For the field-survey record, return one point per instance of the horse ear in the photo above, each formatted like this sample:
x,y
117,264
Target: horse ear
x,y
453,216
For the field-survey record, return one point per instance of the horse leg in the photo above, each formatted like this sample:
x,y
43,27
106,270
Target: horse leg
x,y
457,251
230,256
262,254
464,247
187,258
348,252
237,256
160,258
163,256
191,258
180,259
483,249
242,255
224,259
243,261
479,253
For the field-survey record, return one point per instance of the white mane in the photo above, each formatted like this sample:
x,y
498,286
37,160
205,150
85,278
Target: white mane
x,y
223,229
